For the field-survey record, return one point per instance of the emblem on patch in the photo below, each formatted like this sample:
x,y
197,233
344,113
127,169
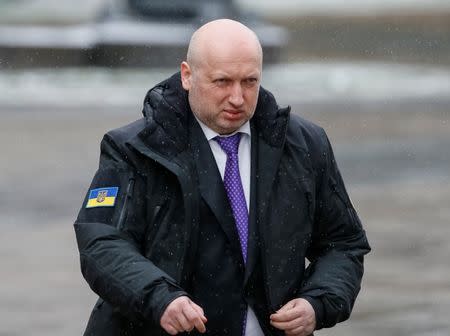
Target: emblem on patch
x,y
102,197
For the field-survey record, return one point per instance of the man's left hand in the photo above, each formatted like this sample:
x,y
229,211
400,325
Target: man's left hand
x,y
296,318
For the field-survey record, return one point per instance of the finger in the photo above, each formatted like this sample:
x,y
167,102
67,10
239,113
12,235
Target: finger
x,y
286,307
299,331
305,328
199,311
194,318
171,330
170,325
183,322
286,316
288,325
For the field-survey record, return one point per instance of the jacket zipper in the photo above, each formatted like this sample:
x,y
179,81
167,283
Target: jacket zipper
x,y
128,195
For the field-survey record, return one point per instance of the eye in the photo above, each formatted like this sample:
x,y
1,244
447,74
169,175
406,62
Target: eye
x,y
221,81
250,81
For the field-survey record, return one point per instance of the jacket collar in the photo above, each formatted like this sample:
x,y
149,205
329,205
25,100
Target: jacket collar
x,y
167,113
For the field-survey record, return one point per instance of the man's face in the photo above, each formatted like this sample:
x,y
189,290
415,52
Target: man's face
x,y
223,92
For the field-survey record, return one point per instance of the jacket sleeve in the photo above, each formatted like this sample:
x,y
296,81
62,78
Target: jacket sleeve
x,y
336,254
110,238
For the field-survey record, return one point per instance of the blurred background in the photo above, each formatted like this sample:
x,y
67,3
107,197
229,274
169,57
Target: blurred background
x,y
374,73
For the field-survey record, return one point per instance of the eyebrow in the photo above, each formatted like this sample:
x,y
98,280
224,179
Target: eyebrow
x,y
224,74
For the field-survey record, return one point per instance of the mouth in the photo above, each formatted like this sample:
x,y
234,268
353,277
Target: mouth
x,y
232,111
233,114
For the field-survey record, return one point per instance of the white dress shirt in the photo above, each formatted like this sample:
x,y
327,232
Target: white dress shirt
x,y
252,327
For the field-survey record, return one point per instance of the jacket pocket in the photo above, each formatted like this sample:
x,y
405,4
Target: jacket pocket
x,y
345,199
307,186
155,222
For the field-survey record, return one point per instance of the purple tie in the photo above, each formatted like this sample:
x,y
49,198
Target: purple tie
x,y
233,187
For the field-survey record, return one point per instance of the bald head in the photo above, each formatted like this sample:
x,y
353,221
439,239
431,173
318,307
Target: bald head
x,y
222,38
222,74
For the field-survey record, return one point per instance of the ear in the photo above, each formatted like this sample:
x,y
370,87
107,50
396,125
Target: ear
x,y
186,76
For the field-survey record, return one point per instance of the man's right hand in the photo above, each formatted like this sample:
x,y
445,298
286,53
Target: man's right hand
x,y
183,315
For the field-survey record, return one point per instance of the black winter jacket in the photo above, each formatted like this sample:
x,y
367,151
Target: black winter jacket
x,y
138,254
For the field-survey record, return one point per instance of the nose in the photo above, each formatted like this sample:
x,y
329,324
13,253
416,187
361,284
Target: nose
x,y
236,97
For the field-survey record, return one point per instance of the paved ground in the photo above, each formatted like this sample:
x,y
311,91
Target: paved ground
x,y
395,160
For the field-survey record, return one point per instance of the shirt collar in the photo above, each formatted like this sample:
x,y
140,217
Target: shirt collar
x,y
210,134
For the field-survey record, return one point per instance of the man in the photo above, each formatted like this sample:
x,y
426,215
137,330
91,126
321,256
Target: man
x,y
202,213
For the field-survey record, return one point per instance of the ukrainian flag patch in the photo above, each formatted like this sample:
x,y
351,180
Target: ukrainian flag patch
x,y
102,197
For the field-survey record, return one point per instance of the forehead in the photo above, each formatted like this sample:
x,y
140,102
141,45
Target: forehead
x,y
231,62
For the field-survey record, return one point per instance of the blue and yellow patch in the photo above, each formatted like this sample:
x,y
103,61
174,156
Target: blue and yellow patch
x,y
102,197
